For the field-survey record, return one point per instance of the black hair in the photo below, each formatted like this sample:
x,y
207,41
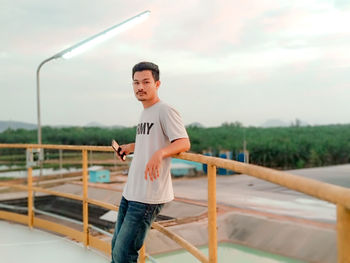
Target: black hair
x,y
146,66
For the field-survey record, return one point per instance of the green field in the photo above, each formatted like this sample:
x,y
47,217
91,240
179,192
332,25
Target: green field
x,y
281,148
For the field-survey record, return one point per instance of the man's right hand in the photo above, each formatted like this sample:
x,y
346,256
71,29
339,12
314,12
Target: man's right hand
x,y
127,149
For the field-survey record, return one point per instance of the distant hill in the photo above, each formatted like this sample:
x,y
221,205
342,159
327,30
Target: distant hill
x,y
195,125
274,123
279,123
100,125
4,125
95,124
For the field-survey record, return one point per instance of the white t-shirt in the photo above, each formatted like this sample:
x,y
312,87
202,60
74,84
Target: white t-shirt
x,y
159,125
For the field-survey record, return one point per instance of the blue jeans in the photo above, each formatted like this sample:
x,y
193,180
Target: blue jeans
x,y
134,221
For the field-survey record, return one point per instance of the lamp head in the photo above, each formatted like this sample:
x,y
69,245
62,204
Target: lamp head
x,y
102,36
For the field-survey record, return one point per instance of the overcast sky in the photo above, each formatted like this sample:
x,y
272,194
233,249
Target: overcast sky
x,y
220,61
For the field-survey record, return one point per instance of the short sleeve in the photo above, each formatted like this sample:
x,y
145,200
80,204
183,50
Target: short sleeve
x,y
172,124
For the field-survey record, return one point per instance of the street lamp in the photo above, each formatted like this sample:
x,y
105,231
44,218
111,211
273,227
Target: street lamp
x,y
82,47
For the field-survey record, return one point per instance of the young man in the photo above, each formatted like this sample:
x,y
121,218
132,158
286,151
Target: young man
x,y
159,135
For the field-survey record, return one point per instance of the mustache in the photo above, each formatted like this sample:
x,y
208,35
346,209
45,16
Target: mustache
x,y
141,92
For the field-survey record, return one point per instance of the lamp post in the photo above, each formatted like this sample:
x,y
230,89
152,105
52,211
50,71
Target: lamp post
x,y
82,47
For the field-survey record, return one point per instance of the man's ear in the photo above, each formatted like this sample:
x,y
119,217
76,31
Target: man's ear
x,y
157,84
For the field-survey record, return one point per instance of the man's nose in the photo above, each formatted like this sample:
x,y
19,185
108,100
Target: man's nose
x,y
141,86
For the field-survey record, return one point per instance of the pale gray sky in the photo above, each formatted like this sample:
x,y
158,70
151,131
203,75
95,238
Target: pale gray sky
x,y
220,61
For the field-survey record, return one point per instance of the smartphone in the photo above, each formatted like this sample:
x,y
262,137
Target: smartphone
x,y
118,149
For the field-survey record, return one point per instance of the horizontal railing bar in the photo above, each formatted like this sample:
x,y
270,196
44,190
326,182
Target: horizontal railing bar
x,y
324,191
18,186
43,181
182,242
66,195
72,221
70,196
102,204
58,216
15,217
58,228
58,147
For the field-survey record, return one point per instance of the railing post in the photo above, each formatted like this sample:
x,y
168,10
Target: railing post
x,y
343,234
30,197
142,254
212,228
60,151
85,197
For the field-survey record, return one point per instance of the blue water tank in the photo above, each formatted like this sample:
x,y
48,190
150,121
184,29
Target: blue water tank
x,y
241,157
99,176
222,171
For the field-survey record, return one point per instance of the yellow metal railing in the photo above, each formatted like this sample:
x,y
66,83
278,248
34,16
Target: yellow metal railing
x,y
85,237
331,193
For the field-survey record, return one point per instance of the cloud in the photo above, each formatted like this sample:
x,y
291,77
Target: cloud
x,y
308,19
232,60
4,55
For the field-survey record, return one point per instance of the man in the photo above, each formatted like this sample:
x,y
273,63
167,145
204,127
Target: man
x,y
159,135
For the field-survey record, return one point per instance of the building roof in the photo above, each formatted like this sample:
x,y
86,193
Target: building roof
x,y
19,243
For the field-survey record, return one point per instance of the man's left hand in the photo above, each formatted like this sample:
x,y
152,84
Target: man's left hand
x,y
153,166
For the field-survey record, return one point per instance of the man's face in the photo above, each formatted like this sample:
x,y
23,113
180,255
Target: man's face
x,y
145,87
